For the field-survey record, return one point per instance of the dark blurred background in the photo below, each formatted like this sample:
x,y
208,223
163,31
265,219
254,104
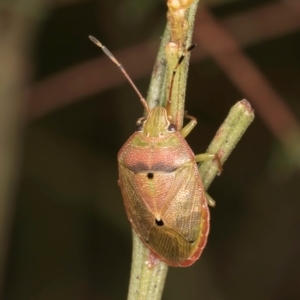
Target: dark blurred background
x,y
64,228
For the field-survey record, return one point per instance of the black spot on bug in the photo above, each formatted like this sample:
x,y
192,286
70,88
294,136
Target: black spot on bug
x,y
172,127
159,222
150,175
191,242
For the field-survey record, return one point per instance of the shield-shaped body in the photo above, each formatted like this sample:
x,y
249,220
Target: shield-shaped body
x,y
163,192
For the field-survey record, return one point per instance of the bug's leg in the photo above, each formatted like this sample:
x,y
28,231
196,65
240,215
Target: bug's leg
x,y
188,127
208,156
210,201
202,157
205,157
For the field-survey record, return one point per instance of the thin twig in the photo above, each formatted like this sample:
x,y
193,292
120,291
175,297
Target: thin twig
x,y
147,283
238,120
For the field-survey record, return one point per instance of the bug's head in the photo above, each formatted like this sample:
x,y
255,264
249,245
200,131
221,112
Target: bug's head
x,y
157,123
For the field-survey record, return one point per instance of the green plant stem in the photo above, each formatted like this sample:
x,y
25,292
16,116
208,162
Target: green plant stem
x,y
148,283
145,283
158,87
239,118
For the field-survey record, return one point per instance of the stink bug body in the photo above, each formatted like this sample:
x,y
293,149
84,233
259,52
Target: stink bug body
x,y
162,190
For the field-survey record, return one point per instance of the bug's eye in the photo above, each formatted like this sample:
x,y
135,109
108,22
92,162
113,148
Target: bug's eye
x,y
140,128
172,127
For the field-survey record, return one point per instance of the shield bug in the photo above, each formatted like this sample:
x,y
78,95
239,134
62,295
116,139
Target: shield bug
x,y
162,190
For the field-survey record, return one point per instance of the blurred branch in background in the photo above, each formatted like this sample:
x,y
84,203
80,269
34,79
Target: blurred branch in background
x,y
266,22
73,84
206,2
18,23
253,84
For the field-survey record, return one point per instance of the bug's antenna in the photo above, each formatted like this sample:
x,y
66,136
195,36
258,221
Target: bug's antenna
x,y
110,55
181,58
